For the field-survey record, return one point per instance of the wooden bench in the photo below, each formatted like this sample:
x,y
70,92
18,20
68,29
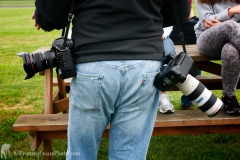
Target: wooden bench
x,y
181,122
52,123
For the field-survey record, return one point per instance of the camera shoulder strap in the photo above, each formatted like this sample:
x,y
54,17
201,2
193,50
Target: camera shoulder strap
x,y
179,27
70,16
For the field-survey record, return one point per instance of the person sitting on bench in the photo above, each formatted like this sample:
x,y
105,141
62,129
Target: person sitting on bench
x,y
218,35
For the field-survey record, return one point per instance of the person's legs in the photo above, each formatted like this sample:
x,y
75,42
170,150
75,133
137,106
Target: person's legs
x,y
230,65
89,110
168,46
106,92
165,106
186,104
211,41
223,41
135,111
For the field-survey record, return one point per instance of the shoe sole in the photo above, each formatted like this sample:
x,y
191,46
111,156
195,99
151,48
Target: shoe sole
x,y
167,112
233,112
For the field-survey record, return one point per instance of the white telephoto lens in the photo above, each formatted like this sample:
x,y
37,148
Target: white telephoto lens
x,y
196,92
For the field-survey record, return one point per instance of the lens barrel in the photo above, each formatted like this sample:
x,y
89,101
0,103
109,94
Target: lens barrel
x,y
196,92
37,62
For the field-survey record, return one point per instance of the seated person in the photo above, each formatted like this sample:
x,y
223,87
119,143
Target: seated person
x,y
164,105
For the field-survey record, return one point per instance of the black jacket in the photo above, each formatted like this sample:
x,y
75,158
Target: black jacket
x,y
113,29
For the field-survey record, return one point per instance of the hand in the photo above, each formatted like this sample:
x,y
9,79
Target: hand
x,y
36,25
163,37
211,23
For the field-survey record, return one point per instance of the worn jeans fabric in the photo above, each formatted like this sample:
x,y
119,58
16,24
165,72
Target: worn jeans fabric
x,y
117,92
223,40
168,46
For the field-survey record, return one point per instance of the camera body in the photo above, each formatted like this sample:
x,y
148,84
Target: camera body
x,y
176,73
58,56
176,70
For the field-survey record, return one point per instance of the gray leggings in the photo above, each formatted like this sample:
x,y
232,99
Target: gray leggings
x,y
223,41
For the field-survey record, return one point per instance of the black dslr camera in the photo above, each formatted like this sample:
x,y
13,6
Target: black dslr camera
x,y
174,70
58,56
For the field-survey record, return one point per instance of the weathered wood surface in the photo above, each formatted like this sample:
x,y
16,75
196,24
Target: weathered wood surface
x,y
179,122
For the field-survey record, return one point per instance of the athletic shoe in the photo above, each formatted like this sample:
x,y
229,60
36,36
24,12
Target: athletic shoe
x,y
231,105
165,106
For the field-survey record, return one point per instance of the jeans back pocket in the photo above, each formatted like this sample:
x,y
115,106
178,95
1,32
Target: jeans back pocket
x,y
85,91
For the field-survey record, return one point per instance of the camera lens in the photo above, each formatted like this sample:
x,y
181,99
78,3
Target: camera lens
x,y
37,62
201,96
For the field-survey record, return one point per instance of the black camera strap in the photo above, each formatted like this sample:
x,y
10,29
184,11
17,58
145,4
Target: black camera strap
x,y
65,30
179,27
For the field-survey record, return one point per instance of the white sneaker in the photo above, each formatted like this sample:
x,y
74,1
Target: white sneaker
x,y
165,106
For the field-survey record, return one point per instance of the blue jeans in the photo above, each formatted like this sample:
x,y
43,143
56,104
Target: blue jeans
x,y
117,92
168,46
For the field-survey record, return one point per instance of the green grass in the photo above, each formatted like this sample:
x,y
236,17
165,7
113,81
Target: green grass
x,y
19,96
9,3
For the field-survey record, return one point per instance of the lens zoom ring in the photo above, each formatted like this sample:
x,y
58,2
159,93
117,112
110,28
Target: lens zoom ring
x,y
38,60
50,59
197,92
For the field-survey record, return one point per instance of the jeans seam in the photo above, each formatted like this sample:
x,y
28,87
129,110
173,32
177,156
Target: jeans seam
x,y
119,98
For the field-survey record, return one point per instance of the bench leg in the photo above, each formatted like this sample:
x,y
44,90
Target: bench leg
x,y
34,140
47,149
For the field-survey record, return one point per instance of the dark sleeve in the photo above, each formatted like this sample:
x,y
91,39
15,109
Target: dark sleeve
x,y
182,8
52,14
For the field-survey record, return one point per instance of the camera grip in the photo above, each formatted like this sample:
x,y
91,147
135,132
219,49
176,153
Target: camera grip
x,y
65,67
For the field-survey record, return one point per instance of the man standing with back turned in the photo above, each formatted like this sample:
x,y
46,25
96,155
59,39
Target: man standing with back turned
x,y
117,52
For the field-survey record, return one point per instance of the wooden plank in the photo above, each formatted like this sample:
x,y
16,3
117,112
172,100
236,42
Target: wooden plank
x,y
61,105
194,130
210,67
41,122
192,51
209,78
48,135
159,131
180,122
180,118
